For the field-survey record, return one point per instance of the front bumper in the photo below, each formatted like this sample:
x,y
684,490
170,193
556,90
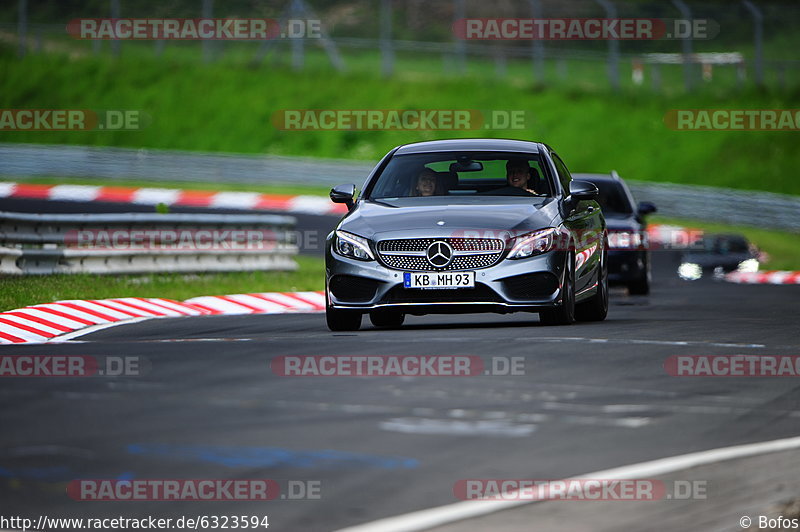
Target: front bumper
x,y
531,284
626,265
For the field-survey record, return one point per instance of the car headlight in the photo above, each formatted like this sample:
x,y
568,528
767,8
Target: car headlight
x,y
748,265
353,246
689,271
533,244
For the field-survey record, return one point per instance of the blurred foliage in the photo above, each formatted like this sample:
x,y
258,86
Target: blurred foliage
x,y
228,105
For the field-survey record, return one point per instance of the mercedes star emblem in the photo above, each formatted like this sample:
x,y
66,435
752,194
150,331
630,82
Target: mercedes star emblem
x,y
439,254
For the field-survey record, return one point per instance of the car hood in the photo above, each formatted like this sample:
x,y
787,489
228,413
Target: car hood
x,y
378,221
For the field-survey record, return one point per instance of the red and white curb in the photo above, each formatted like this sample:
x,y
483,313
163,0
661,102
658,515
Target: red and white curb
x,y
173,197
264,303
768,277
49,321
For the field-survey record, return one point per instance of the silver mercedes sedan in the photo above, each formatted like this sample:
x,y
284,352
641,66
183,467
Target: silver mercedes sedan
x,y
467,225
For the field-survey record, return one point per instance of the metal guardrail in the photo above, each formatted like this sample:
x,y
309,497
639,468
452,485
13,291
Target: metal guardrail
x,y
759,209
45,160
722,205
70,243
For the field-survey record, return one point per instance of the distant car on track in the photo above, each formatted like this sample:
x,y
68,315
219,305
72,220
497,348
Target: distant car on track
x,y
719,254
471,225
628,256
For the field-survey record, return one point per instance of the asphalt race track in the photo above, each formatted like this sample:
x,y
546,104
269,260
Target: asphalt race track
x,y
208,406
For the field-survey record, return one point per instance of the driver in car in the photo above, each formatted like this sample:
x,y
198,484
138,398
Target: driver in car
x,y
518,172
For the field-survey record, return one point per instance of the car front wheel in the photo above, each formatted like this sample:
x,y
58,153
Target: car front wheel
x,y
342,320
565,313
596,308
641,286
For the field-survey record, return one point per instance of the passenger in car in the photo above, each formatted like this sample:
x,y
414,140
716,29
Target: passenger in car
x,y
425,184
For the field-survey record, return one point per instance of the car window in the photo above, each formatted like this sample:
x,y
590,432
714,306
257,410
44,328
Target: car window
x,y
492,169
456,173
563,174
612,198
726,244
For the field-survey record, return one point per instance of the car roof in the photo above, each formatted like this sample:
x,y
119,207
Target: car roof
x,y
507,145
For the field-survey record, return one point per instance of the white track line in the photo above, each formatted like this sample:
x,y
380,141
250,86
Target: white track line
x,y
92,329
450,513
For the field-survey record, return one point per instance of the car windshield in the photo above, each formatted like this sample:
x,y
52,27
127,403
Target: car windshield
x,y
612,198
724,245
461,174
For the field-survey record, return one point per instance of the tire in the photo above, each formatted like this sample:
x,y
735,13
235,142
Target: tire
x,y
563,314
641,286
387,318
342,320
596,308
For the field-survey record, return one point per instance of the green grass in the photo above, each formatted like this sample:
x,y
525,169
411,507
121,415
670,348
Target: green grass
x,y
228,105
782,247
16,292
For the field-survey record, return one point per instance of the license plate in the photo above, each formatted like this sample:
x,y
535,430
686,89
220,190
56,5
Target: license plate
x,y
439,280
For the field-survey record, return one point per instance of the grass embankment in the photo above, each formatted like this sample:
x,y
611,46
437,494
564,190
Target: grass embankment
x,y
16,292
228,106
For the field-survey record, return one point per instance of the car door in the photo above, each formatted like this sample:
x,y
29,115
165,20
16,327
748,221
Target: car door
x,y
584,220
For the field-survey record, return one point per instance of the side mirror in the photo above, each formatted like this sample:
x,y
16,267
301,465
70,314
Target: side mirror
x,y
344,194
645,208
583,190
